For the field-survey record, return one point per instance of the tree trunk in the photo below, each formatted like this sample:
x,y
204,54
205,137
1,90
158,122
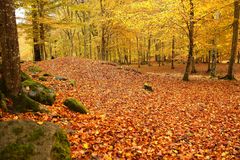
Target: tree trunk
x,y
173,52
138,52
191,42
238,57
193,65
214,63
149,51
36,45
42,31
163,59
209,62
10,48
230,74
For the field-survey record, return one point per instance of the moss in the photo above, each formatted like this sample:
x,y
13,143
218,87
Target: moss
x,y
148,87
39,92
23,103
17,130
60,150
24,76
42,79
34,69
16,151
36,134
73,83
76,106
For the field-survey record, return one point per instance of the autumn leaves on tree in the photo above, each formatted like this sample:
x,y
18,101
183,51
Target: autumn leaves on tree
x,y
133,31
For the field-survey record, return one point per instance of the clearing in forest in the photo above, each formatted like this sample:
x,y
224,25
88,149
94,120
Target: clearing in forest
x,y
185,120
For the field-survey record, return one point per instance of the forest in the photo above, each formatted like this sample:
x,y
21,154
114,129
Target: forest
x,y
119,79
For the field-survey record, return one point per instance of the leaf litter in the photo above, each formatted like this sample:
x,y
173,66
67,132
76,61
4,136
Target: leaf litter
x,y
199,119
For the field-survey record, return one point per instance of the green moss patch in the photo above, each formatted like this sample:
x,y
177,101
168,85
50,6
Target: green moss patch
x,y
60,150
24,76
36,134
16,151
23,103
75,105
34,69
17,130
38,92
27,140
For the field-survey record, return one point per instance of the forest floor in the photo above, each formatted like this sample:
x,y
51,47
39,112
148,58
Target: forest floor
x,y
199,119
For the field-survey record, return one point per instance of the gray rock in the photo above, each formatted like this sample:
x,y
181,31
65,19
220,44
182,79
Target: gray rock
x,y
27,140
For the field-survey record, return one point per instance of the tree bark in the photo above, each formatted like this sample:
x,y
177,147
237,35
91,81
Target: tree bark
x,y
230,74
173,52
209,62
10,48
191,41
149,51
138,52
35,25
193,65
214,62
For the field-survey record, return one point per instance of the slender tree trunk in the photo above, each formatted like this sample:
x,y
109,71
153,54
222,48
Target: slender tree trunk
x,y
149,51
162,58
230,74
209,62
191,42
90,46
10,48
173,52
103,44
42,31
238,57
35,25
214,63
193,65
138,52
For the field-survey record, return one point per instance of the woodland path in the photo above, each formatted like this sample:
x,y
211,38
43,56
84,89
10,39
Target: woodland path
x,y
185,120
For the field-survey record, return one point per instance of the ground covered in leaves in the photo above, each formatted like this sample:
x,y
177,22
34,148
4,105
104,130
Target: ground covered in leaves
x,y
199,119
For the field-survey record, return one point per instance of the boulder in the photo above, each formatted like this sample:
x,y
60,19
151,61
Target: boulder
x,y
23,103
47,75
75,106
60,78
148,87
27,140
38,92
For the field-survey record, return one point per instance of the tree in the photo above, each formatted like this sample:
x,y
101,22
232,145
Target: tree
x,y
230,74
191,41
10,48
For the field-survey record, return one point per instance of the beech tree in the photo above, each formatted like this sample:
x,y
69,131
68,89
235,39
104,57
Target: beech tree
x,y
230,74
10,48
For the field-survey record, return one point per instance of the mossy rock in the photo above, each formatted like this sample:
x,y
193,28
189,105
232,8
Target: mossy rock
x,y
26,140
60,78
23,103
39,92
47,75
34,69
148,87
75,105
